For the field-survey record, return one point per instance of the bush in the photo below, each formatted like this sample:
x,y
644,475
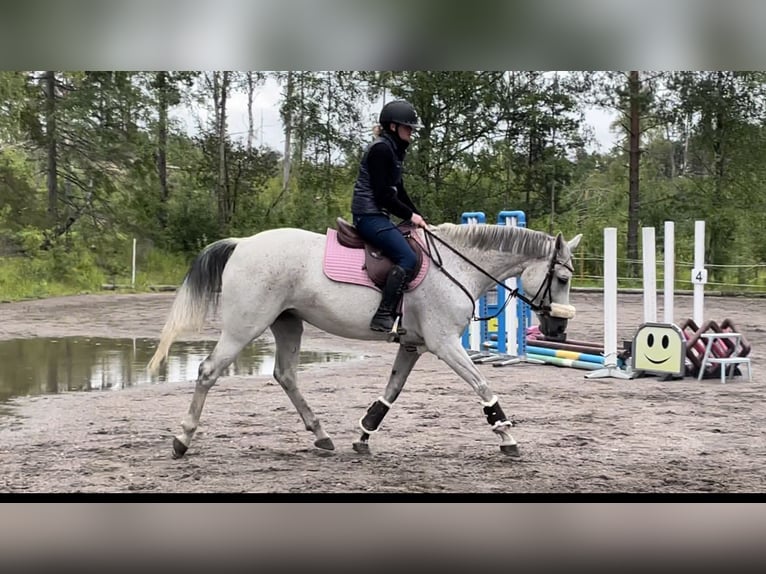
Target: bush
x,y
50,273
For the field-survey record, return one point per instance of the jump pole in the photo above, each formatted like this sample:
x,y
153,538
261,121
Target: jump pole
x,y
669,282
699,273
472,336
650,278
610,370
648,254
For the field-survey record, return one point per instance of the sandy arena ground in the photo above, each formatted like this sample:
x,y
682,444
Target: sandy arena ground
x,y
575,434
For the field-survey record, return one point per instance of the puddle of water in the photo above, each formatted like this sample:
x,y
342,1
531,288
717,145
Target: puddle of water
x,y
55,365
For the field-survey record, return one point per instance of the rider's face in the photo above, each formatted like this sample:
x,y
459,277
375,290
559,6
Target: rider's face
x,y
405,132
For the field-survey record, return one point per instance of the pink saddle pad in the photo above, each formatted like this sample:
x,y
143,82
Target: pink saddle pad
x,y
346,265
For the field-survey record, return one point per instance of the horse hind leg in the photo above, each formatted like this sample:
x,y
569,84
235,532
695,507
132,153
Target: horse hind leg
x,y
287,330
224,353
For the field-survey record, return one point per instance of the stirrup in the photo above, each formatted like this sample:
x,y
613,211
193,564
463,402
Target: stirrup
x,y
396,331
380,328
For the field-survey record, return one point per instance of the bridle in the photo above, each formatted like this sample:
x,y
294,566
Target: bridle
x,y
545,287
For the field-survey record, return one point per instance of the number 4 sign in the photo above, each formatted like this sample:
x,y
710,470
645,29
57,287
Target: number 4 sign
x,y
699,276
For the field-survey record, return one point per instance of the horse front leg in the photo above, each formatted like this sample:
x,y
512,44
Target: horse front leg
x,y
405,360
452,353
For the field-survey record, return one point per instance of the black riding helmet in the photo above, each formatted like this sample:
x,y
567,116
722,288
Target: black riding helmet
x,y
399,112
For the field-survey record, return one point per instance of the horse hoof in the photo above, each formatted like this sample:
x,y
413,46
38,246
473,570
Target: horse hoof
x,y
179,448
511,450
324,443
361,447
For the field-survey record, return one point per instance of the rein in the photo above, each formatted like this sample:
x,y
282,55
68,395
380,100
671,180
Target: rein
x,y
545,288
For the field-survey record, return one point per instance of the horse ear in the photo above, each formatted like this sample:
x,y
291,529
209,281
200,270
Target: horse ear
x,y
575,241
559,241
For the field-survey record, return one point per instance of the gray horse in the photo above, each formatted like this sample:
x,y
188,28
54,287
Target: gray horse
x,y
275,280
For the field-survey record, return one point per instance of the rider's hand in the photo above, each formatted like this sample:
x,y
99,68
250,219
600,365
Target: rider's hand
x,y
418,221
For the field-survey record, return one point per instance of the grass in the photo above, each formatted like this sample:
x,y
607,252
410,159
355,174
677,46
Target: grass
x,y
22,278
46,276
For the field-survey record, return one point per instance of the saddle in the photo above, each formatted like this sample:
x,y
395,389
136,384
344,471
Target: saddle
x,y
376,264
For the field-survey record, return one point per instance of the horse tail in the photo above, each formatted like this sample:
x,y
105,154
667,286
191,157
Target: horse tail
x,y
201,287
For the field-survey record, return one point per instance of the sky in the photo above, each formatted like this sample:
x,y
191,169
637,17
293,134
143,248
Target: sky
x,y
269,132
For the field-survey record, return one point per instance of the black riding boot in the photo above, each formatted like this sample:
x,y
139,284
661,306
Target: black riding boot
x,y
383,320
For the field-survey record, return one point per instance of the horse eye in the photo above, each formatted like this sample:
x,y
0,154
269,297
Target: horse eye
x,y
563,280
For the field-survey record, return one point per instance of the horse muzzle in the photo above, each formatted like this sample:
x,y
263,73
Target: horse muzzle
x,y
553,321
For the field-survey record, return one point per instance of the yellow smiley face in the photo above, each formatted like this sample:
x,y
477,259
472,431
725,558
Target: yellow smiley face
x,y
659,348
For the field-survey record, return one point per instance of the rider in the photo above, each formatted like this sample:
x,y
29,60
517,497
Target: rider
x,y
378,193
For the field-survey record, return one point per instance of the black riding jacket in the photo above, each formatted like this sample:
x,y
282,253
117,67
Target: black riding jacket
x,y
379,188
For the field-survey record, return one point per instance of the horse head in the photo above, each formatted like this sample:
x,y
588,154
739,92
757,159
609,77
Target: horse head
x,y
547,282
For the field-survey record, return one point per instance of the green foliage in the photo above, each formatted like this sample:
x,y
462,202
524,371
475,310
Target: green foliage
x,y
20,200
192,221
58,271
491,141
161,268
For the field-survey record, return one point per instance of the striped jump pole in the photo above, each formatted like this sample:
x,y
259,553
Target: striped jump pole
x,y
560,362
561,354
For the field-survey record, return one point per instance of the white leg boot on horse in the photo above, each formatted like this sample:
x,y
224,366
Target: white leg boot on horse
x,y
370,422
452,353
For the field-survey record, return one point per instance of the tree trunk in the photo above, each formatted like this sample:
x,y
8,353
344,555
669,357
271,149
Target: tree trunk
x,y
216,101
223,185
288,122
672,154
634,91
162,145
49,79
530,166
716,248
328,185
687,130
552,216
250,128
301,121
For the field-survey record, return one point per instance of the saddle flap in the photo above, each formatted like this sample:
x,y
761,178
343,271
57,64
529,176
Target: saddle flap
x,y
378,265
347,234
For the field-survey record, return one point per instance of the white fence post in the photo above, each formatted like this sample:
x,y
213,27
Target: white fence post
x,y
133,266
670,271
699,273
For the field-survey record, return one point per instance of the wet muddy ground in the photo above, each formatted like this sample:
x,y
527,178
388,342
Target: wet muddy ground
x,y
575,434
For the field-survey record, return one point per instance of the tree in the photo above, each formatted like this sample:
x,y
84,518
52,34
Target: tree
x,y
166,87
48,81
722,113
324,135
632,96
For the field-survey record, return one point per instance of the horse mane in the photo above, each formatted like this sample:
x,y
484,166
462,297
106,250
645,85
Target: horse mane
x,y
517,240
